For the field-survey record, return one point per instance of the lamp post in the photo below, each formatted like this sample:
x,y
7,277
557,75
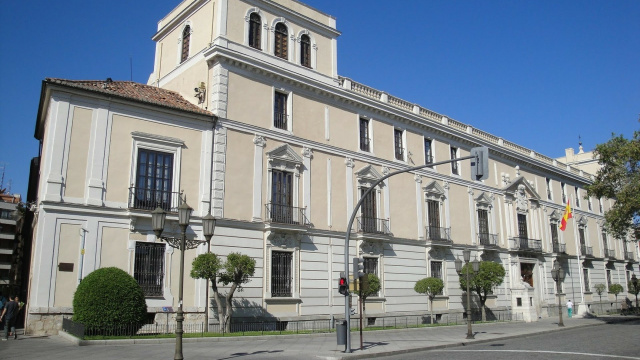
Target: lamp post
x,y
558,274
634,280
158,217
475,264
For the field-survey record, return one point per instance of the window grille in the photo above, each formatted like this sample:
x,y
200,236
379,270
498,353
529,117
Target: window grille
x,y
149,268
522,226
280,111
281,274
397,134
428,156
483,225
364,135
281,44
186,38
154,179
454,164
436,271
433,213
255,31
371,265
305,51
281,199
369,211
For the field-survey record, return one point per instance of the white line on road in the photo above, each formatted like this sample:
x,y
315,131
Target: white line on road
x,y
551,352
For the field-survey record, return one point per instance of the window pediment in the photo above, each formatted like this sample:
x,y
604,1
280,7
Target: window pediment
x,y
514,187
582,221
555,215
368,175
433,190
484,200
284,158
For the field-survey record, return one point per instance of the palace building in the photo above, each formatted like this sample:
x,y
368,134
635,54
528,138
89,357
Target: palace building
x,y
246,117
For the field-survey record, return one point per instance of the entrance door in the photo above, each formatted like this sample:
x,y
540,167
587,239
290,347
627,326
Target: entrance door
x,y
526,271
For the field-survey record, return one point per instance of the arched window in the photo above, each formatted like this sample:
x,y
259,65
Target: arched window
x,y
305,51
281,45
186,35
255,34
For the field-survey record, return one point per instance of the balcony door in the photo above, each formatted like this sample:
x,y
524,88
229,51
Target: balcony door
x,y
369,211
281,198
433,220
154,177
483,226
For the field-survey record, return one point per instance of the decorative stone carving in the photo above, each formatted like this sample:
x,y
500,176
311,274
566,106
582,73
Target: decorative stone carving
x,y
517,170
437,253
349,162
522,204
132,224
385,170
371,247
307,152
259,141
284,240
506,179
417,178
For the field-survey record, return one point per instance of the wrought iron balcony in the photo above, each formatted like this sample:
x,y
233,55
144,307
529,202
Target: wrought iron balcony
x,y
148,199
559,248
286,214
628,255
586,250
439,234
487,239
372,225
609,253
526,244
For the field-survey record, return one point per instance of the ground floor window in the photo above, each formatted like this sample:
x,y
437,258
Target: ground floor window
x,y
436,272
149,268
585,273
281,273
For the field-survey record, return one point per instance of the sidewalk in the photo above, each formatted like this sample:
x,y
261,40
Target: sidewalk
x,y
376,343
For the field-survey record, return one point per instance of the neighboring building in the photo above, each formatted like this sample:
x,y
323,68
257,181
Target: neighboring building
x,y
280,148
10,228
585,161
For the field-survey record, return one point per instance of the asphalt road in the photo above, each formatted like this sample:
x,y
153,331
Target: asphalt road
x,y
608,341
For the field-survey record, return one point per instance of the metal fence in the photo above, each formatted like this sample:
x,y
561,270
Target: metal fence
x,y
251,327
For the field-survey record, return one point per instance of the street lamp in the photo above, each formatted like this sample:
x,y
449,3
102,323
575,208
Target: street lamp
x,y
475,264
158,217
558,274
634,280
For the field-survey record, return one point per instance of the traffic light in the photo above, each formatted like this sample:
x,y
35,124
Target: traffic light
x,y
343,286
480,165
358,268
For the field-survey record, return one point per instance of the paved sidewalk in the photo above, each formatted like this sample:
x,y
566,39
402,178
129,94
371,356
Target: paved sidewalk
x,y
376,343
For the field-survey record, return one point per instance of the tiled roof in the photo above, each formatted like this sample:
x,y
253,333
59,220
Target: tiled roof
x,y
134,91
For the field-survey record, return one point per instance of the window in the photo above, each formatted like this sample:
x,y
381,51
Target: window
x,y
186,38
605,243
608,278
255,31
364,135
433,220
549,197
564,194
581,235
428,153
280,111
305,51
154,179
369,211
149,268
454,164
6,214
554,236
585,275
436,272
600,205
590,204
522,226
399,147
483,226
281,47
577,196
281,197
371,267
281,273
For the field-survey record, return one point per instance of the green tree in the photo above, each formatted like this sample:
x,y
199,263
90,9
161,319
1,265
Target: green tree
x,y
616,289
236,270
619,179
368,287
431,287
600,288
107,298
490,275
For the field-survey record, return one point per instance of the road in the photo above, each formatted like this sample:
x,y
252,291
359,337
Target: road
x,y
608,341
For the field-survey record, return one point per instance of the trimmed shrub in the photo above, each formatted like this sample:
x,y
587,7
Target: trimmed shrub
x,y
109,298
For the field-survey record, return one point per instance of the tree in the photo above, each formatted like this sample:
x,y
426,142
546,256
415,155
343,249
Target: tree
x,y
616,289
490,275
236,270
431,287
368,287
600,288
619,179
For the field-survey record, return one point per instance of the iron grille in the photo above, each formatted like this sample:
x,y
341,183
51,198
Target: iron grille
x,y
527,244
154,179
281,278
370,265
280,111
149,268
559,248
437,233
364,135
373,225
398,144
586,250
436,271
488,239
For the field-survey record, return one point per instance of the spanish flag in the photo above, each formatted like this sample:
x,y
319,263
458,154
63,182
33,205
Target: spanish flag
x,y
567,215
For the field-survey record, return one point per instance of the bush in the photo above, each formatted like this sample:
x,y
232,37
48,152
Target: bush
x,y
107,298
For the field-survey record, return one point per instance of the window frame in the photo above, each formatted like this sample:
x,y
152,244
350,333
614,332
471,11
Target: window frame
x,y
305,51
255,33
281,40
585,276
369,142
454,153
577,194
160,294
429,157
185,41
288,95
442,274
563,193
399,144
549,189
291,274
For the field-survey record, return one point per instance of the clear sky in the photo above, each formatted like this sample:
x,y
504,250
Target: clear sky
x,y
537,73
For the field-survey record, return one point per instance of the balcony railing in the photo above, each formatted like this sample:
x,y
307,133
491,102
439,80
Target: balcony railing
x,y
147,199
559,248
487,239
609,253
439,234
372,225
526,244
280,120
286,214
586,250
628,255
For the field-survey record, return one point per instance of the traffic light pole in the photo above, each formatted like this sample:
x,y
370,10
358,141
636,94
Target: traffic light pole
x,y
347,309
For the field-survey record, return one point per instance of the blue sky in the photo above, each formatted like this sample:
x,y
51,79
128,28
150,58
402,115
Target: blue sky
x,y
537,73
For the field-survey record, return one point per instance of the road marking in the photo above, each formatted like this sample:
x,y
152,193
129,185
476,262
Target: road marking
x,y
552,352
